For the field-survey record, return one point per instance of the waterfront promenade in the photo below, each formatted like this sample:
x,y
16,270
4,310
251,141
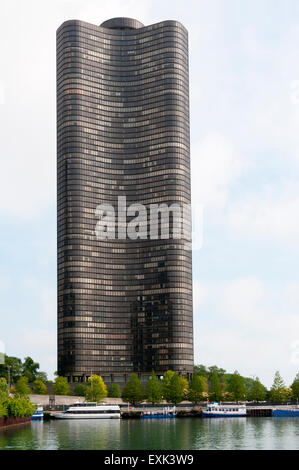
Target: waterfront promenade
x,y
184,409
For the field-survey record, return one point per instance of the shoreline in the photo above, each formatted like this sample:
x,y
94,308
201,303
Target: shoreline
x,y
7,423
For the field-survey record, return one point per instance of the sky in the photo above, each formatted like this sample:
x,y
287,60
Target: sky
x,y
244,104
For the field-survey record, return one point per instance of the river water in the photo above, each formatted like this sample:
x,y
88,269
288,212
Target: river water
x,y
172,434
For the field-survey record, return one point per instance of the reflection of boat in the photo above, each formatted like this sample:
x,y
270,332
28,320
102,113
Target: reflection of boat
x,y
88,411
39,413
286,412
165,413
215,410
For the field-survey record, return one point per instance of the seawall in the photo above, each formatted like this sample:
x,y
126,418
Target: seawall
x,y
10,422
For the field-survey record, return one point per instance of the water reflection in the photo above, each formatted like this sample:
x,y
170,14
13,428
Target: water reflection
x,y
172,434
81,434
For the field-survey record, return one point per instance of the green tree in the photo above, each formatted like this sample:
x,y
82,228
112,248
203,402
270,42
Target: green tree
x,y
177,390
185,386
257,391
22,389
198,387
166,384
114,391
30,368
60,386
220,372
201,370
215,392
236,386
42,376
133,390
39,387
278,388
3,389
79,390
295,387
15,368
154,389
96,389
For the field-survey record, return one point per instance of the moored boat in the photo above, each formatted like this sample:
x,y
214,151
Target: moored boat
x,y
286,412
216,410
39,413
165,413
89,411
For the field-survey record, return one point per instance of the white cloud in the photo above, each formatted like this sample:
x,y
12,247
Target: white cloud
x,y
269,216
49,305
200,293
242,300
5,282
215,163
40,344
271,84
29,329
249,326
292,296
28,115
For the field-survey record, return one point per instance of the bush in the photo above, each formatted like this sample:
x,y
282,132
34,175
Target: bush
x,y
3,410
19,407
3,389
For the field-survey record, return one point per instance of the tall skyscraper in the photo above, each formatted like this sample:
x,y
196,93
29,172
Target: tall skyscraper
x,y
124,305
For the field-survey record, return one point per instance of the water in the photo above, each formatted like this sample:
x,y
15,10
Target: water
x,y
172,434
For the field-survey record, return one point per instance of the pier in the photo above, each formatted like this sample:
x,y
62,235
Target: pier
x,y
259,412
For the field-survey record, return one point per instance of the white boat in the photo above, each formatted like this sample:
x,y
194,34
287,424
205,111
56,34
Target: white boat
x,y
89,411
216,410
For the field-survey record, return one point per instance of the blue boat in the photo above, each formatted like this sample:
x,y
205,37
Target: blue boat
x,y
286,413
165,413
38,414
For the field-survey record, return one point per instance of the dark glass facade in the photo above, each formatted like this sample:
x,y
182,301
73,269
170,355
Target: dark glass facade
x,y
122,130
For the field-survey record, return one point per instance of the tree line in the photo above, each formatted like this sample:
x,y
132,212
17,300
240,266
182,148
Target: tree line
x,y
208,383
215,385
14,368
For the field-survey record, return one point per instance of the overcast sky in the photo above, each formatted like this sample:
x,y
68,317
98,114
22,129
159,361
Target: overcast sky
x,y
244,80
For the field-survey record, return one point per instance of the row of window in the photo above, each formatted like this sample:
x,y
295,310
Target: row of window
x,y
90,36
101,132
144,128
113,37
94,77
132,57
80,165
